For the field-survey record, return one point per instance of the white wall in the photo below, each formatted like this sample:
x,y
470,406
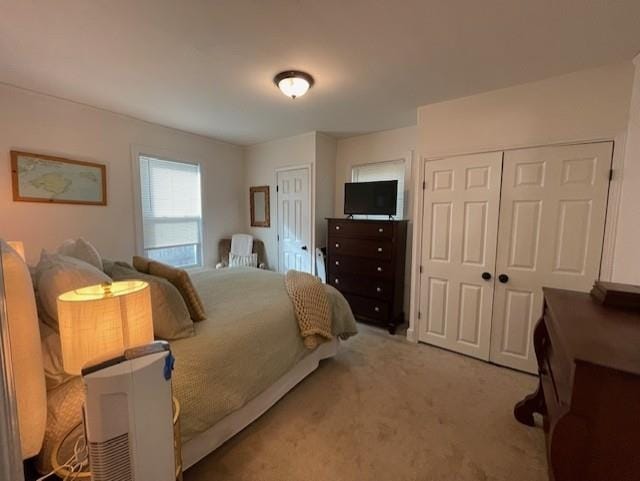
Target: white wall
x,y
586,105
326,148
261,161
42,124
627,252
382,146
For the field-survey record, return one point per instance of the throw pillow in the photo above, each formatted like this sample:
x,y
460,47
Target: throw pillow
x,y
56,274
141,264
171,318
243,261
83,250
180,278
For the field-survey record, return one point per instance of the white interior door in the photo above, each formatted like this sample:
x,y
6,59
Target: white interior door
x,y
460,225
552,218
294,220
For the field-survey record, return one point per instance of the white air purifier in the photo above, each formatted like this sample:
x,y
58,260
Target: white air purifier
x,y
129,416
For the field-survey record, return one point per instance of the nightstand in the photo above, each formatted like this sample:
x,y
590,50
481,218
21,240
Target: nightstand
x,y
64,449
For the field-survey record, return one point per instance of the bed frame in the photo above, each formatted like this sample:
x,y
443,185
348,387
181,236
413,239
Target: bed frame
x,y
197,448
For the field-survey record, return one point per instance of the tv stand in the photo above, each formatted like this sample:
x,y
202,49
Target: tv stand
x,y
366,264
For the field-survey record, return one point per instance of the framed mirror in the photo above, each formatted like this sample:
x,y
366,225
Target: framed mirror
x,y
259,202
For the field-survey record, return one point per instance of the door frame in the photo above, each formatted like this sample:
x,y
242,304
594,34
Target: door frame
x,y
611,217
310,167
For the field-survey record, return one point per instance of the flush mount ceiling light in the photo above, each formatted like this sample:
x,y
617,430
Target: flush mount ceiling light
x,y
293,83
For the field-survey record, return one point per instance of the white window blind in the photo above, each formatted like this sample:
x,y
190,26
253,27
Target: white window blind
x,y
391,170
171,211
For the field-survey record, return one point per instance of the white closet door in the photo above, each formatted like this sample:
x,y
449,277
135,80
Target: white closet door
x,y
460,224
552,218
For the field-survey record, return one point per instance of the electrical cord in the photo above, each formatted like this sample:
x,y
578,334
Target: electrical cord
x,y
75,463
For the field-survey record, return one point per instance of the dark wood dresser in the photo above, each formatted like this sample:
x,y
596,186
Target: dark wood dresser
x,y
366,264
589,389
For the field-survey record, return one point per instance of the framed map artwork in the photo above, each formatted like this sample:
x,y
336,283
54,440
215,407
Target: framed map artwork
x,y
42,178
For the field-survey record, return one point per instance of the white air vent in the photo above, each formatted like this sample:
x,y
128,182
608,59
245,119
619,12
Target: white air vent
x,y
110,460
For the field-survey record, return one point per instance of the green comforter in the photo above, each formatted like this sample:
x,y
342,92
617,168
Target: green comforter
x,y
249,340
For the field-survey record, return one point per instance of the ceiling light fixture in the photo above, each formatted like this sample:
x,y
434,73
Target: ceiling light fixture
x,y
293,83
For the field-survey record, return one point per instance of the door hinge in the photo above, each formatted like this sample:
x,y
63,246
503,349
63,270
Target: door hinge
x,y
424,184
610,174
277,188
419,314
420,269
278,237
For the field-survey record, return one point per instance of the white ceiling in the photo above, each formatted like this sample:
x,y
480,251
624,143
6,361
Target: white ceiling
x,y
207,66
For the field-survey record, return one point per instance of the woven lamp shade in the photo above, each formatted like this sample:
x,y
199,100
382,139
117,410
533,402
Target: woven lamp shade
x,y
103,320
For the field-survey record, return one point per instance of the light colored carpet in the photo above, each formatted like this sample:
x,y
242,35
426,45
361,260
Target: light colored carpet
x,y
385,409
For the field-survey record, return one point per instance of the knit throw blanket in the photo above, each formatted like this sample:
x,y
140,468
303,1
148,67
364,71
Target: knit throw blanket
x,y
311,305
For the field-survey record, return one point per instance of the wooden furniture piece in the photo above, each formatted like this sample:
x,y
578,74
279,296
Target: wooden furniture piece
x,y
366,264
64,450
589,389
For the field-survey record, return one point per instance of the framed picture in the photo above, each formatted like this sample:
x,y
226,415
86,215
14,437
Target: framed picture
x,y
43,178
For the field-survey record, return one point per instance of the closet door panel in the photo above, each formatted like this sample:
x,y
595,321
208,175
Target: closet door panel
x,y
552,218
460,222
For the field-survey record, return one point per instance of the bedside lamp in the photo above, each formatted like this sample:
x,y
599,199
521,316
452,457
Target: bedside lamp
x,y
17,246
103,320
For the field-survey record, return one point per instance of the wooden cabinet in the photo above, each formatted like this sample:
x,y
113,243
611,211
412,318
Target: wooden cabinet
x,y
589,388
366,261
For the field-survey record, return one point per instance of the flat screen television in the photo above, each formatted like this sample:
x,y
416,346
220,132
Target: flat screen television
x,y
371,198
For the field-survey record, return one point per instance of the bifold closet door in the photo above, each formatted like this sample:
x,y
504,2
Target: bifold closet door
x,y
552,218
460,223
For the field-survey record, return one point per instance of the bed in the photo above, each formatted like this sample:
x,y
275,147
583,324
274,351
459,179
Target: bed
x,y
241,360
245,356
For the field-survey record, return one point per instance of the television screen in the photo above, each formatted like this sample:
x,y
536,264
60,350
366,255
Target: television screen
x,y
372,198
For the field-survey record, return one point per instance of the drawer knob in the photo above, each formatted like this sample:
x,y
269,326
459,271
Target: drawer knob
x,y
378,289
377,309
337,263
337,227
337,244
380,229
336,281
379,269
379,249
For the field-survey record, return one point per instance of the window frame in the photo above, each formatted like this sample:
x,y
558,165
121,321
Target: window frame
x,y
165,155
405,166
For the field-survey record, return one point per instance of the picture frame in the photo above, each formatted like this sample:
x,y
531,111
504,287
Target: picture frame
x,y
57,180
260,206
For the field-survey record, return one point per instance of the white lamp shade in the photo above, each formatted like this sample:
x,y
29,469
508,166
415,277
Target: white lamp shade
x,y
17,246
103,320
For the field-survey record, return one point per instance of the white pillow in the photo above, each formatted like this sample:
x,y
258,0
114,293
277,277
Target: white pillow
x,y
54,372
81,249
243,261
56,274
26,357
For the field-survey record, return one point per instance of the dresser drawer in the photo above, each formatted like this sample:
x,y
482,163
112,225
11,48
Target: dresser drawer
x,y
381,249
348,228
358,265
365,286
370,308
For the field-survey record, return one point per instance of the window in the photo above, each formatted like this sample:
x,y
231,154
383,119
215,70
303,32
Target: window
x,y
171,211
391,170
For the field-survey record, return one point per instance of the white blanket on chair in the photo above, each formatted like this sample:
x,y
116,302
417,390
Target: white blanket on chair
x,y
242,244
